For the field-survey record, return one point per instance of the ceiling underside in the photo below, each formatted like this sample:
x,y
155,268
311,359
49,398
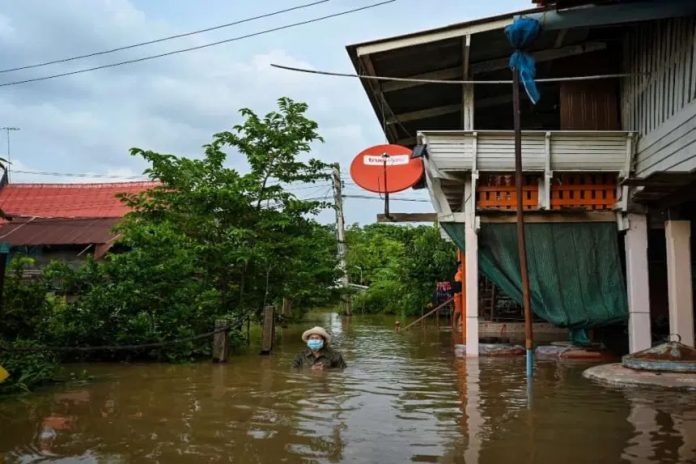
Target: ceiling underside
x,y
404,108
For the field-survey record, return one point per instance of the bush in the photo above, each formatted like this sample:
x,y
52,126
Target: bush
x,y
26,369
400,264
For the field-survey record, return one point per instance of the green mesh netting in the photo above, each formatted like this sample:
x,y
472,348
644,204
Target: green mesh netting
x,y
575,274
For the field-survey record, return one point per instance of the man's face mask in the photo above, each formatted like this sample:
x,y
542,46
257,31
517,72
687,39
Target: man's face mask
x,y
315,345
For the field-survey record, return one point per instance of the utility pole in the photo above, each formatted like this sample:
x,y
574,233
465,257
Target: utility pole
x,y
341,238
9,158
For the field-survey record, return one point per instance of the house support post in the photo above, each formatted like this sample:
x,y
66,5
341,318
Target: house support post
x,y
679,284
637,286
471,276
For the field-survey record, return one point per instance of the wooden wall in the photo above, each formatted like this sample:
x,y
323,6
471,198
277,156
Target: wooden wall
x,y
658,100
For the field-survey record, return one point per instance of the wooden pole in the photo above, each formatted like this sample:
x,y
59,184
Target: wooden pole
x,y
268,330
3,263
248,330
221,342
386,190
437,308
521,242
462,295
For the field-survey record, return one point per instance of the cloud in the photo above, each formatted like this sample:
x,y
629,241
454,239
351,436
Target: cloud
x,y
88,122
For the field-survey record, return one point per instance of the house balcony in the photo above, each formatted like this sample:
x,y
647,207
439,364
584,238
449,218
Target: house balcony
x,y
579,170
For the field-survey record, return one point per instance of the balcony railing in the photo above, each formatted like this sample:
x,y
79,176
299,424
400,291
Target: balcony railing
x,y
542,151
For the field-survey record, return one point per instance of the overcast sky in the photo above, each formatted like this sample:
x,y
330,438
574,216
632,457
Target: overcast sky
x,y
86,123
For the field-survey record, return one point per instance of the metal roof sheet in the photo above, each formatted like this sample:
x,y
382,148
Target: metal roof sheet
x,y
57,231
68,200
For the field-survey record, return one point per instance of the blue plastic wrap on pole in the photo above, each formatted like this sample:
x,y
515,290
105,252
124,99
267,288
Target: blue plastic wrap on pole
x,y
521,33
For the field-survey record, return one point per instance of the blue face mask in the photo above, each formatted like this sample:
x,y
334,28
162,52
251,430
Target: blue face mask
x,y
315,345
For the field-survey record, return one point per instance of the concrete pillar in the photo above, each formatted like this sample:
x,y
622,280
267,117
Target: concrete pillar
x,y
637,283
679,291
471,277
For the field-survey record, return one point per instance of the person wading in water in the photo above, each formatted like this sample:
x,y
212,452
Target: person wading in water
x,y
318,355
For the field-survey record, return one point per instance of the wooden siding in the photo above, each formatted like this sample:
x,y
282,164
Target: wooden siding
x,y
589,105
493,151
659,98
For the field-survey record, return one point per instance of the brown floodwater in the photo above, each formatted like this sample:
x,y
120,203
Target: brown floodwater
x,y
403,398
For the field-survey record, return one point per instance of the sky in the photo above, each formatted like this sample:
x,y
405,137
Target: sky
x,y
86,123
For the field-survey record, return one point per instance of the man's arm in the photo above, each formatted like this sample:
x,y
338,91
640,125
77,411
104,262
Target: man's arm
x,y
297,363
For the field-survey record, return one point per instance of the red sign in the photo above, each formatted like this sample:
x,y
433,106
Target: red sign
x,y
386,169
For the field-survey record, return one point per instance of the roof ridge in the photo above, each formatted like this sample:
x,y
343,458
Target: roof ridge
x,y
79,186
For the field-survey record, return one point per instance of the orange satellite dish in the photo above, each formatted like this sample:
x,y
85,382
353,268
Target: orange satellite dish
x,y
386,169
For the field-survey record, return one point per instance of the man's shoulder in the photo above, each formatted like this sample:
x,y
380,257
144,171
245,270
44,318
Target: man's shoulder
x,y
332,353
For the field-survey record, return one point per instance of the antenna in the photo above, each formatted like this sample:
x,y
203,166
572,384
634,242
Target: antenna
x,y
9,156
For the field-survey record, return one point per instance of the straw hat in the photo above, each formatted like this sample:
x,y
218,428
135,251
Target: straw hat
x,y
317,331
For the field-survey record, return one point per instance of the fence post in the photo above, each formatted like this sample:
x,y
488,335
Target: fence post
x,y
221,341
4,252
268,330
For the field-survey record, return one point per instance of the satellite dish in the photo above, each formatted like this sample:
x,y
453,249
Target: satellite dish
x,y
386,169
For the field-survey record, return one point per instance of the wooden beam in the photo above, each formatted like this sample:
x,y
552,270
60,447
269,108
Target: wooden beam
x,y
431,36
424,114
442,74
408,141
539,217
366,63
437,197
467,90
407,217
455,72
540,56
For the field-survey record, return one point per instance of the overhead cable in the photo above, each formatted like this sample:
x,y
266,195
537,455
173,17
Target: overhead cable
x,y
449,82
199,47
164,39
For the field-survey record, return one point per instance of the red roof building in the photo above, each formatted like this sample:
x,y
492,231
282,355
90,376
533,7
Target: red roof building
x,y
64,221
68,200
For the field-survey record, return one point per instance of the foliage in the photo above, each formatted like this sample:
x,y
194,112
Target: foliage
x,y
26,369
399,264
208,242
24,304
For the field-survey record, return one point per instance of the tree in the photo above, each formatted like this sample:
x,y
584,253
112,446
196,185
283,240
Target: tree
x,y
399,264
207,242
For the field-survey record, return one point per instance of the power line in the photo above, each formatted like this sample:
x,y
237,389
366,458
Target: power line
x,y
290,186
450,82
164,39
367,197
199,47
75,174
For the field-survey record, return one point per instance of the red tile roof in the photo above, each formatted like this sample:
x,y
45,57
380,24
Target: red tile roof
x,y
68,200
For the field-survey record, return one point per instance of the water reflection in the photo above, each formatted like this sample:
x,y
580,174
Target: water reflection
x,y
403,398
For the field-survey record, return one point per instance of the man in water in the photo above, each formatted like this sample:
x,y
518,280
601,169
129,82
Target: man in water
x,y
318,355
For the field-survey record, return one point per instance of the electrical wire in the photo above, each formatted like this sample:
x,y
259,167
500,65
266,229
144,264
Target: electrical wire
x,y
367,197
449,82
73,174
199,47
164,39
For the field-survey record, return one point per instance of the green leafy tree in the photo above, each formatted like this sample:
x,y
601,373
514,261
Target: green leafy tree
x,y
399,264
207,242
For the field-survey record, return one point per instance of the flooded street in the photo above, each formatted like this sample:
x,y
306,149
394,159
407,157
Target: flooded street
x,y
403,398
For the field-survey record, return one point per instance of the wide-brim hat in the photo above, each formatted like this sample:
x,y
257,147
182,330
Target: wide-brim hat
x,y
317,331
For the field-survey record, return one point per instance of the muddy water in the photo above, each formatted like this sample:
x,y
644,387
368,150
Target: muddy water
x,y
403,398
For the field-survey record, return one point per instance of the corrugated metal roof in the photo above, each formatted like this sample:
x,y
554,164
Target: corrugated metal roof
x,y
68,200
57,231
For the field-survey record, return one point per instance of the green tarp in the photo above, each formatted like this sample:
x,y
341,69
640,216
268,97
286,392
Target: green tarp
x,y
575,273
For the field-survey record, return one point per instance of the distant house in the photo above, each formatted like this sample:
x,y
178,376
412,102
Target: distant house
x,y
63,221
